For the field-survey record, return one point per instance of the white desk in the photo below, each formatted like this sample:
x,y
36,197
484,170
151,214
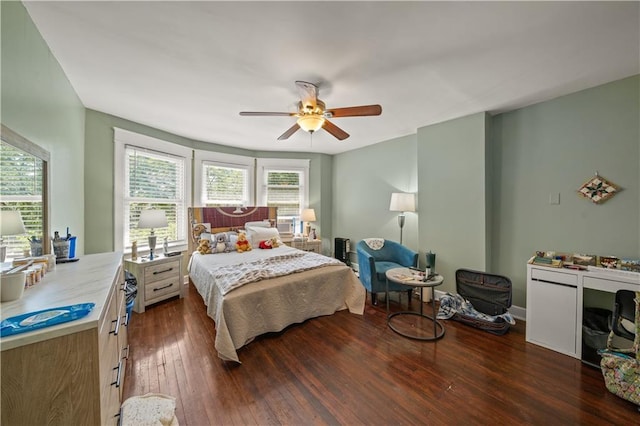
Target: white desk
x,y
555,303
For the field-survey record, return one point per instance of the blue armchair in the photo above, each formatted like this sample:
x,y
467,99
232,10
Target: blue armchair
x,y
373,264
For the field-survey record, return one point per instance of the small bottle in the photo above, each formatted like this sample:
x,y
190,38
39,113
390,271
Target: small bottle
x,y
165,245
134,250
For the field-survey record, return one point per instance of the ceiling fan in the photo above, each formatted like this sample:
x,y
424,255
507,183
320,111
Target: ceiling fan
x,y
313,115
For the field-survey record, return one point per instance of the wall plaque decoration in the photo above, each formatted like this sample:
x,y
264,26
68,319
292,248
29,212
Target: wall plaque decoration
x,y
598,189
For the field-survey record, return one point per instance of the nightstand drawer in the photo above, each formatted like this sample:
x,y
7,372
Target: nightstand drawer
x,y
161,271
159,289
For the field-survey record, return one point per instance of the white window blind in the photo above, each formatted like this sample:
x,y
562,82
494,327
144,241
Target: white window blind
x,y
21,178
153,180
284,184
225,185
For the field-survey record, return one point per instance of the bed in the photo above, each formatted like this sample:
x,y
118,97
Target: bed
x,y
259,291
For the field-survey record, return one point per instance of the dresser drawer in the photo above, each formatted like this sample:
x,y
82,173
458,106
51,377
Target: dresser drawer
x,y
161,271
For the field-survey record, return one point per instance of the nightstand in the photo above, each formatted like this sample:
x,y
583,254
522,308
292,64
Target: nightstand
x,y
158,279
312,245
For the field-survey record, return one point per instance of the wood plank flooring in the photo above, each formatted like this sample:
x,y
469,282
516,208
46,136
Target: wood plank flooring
x,y
353,370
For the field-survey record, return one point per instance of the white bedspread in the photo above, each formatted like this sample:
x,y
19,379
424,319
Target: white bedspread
x,y
270,305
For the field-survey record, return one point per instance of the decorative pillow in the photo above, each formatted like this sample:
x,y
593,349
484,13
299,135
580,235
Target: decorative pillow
x,y
233,237
255,235
258,224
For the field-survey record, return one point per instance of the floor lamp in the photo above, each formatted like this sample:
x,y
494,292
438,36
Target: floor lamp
x,y
402,202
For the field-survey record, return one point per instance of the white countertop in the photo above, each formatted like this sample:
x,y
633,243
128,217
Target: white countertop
x,y
86,281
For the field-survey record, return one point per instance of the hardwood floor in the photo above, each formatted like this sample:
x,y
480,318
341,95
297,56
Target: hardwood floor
x,y
351,369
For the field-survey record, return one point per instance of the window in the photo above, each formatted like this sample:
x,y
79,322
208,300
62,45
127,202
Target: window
x,y
224,179
150,174
23,187
284,184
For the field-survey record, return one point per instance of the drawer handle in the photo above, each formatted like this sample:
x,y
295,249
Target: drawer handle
x,y
118,376
116,330
126,348
126,319
162,288
163,271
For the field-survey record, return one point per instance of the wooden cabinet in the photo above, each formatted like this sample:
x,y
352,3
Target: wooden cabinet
x,y
312,245
158,279
71,373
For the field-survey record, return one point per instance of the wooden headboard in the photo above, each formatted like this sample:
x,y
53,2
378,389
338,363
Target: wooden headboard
x,y
222,219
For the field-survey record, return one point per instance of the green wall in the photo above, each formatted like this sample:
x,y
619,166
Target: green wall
x,y
484,184
454,197
99,179
553,148
39,103
363,181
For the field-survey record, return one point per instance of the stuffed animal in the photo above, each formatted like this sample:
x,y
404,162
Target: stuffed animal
x,y
265,244
220,243
204,246
198,229
269,244
242,244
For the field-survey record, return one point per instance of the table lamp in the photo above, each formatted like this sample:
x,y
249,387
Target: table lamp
x,y
152,219
308,216
10,224
402,202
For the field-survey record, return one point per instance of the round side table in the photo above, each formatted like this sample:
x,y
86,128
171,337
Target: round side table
x,y
405,276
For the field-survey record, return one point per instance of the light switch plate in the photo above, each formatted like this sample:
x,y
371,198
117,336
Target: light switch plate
x,y
554,198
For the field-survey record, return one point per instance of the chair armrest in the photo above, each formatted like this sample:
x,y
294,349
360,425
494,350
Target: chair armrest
x,y
366,267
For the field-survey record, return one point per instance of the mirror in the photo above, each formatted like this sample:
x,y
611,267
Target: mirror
x,y
24,186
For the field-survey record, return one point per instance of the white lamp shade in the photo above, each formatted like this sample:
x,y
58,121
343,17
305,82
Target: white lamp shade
x,y
402,202
308,215
311,122
152,219
11,223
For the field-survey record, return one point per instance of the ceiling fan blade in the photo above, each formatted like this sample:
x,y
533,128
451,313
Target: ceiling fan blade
x,y
356,111
267,114
308,94
289,132
335,130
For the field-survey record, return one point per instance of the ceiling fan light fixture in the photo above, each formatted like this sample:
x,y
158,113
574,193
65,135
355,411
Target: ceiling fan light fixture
x,y
311,122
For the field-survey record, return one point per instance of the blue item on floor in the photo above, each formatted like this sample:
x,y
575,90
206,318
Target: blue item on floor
x,y
44,318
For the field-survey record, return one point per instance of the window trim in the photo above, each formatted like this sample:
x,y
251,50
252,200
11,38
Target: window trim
x,y
222,160
285,164
122,138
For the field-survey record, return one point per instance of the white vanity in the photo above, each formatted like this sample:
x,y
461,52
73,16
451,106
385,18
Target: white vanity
x,y
555,299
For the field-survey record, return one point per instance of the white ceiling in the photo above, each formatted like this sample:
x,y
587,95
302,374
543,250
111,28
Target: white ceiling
x,y
189,67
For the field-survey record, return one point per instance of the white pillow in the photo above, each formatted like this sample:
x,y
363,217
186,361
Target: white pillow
x,y
257,234
258,224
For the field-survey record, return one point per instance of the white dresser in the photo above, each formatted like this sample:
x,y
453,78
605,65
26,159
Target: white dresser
x,y
70,373
555,303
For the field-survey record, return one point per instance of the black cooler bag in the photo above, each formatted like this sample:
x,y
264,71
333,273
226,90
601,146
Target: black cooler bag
x,y
489,294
